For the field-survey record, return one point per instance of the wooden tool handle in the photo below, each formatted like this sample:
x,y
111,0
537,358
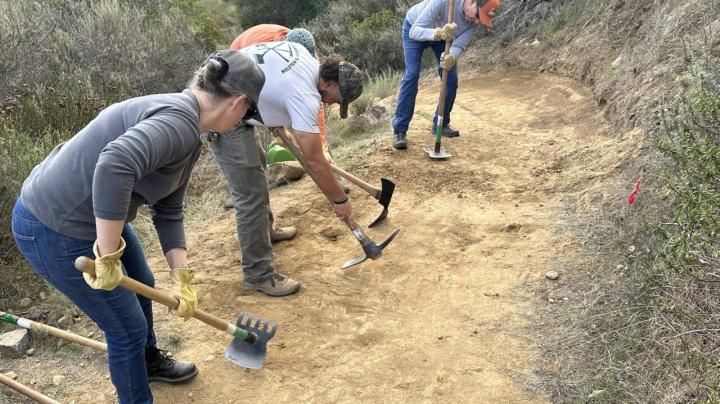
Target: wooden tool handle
x,y
26,391
69,336
87,265
374,192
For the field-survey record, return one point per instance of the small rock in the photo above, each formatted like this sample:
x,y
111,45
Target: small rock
x,y
209,358
30,352
65,321
552,275
25,302
620,267
460,196
631,248
190,394
13,344
551,300
91,334
43,295
33,382
11,375
58,380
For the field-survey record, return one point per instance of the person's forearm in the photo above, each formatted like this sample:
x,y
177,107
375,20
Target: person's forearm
x,y
324,177
177,258
108,235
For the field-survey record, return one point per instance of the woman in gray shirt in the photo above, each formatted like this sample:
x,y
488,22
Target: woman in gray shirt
x,y
80,199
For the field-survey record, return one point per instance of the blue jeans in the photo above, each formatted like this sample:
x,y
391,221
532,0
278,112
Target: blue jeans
x,y
125,318
409,87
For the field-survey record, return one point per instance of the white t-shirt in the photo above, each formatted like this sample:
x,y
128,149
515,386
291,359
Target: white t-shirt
x,y
290,96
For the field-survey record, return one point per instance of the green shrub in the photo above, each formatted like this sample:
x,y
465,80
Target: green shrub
x,y
367,33
63,61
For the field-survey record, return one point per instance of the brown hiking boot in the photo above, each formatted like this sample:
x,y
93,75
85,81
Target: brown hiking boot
x,y
278,233
278,285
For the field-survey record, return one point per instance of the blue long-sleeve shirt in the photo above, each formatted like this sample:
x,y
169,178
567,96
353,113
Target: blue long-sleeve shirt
x,y
427,15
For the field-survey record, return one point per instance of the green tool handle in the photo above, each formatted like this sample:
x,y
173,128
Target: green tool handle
x,y
32,325
87,265
443,86
26,391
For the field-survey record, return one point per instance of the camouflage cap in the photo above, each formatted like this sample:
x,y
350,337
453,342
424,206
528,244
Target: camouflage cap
x,y
303,37
351,85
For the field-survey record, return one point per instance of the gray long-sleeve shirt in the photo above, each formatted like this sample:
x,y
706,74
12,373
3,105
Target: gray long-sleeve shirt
x,y
427,15
140,151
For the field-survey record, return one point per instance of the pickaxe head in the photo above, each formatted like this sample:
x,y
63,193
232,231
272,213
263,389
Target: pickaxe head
x,y
372,250
386,193
250,353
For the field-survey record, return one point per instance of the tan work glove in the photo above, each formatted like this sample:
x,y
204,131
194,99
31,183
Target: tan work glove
x,y
183,291
108,269
446,32
447,61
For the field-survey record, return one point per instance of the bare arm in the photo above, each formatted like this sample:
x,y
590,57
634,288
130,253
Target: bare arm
x,y
177,258
108,235
311,148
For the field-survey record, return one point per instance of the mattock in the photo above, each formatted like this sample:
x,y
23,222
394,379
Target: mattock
x,y
370,248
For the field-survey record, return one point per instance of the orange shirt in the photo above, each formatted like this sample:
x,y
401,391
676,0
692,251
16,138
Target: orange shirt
x,y
273,33
259,34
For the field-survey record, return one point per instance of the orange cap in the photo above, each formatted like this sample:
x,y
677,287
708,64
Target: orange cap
x,y
487,8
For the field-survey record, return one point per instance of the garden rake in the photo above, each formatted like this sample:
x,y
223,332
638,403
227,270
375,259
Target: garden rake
x,y
249,345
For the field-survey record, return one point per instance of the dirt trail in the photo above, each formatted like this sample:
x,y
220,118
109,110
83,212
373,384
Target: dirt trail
x,y
441,315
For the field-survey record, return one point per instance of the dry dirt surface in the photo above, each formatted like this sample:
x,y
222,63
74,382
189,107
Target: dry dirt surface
x,y
443,314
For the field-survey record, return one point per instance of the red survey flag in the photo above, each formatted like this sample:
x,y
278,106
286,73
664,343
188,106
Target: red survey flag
x,y
634,192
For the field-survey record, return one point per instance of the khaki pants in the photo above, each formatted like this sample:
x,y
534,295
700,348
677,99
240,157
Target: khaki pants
x,y
242,161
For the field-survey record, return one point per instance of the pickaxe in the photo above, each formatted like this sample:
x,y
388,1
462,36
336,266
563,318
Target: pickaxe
x,y
383,195
370,248
249,345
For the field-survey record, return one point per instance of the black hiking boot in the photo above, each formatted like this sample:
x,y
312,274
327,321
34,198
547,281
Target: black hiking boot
x,y
400,140
447,131
161,368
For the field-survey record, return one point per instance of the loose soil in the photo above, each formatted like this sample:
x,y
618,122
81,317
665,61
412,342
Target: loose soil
x,y
443,315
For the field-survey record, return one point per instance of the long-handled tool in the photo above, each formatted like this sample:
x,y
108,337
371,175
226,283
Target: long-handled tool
x,y
277,154
439,152
32,325
383,195
26,391
249,345
370,248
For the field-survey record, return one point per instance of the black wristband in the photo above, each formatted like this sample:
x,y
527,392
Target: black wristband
x,y
341,202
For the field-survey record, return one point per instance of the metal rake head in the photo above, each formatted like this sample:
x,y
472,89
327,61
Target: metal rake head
x,y
251,354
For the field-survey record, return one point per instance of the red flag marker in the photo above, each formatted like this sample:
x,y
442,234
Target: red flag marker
x,y
636,188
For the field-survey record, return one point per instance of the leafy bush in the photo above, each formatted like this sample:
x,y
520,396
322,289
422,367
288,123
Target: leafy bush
x,y
367,33
287,13
63,61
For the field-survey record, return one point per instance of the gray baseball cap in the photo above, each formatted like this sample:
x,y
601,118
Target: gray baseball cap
x,y
245,76
351,85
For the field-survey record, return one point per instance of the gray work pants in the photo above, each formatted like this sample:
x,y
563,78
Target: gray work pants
x,y
243,163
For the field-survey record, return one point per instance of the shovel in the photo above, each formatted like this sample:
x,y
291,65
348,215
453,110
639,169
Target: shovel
x,y
249,345
370,248
439,152
32,325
